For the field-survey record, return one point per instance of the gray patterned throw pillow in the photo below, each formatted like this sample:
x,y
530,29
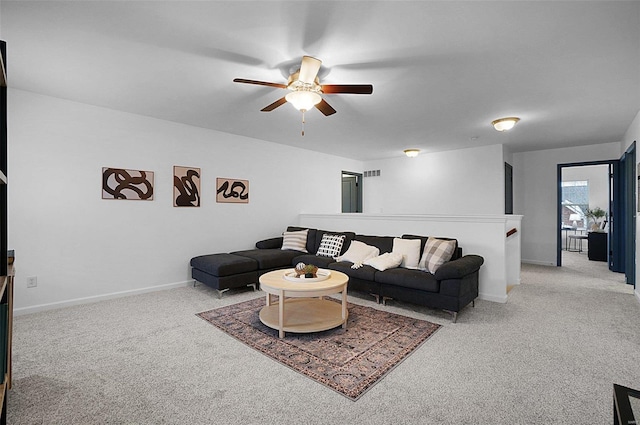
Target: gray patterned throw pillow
x,y
436,253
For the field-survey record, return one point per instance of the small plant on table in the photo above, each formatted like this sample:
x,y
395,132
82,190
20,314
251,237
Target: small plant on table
x,y
306,270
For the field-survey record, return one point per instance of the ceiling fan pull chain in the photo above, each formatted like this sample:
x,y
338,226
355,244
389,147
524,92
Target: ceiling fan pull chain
x,y
303,122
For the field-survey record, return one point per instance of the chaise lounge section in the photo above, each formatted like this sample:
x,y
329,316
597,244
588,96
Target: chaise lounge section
x,y
224,271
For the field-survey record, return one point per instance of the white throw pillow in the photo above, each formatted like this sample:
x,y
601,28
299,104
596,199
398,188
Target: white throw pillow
x,y
436,253
358,252
330,245
384,261
410,251
295,240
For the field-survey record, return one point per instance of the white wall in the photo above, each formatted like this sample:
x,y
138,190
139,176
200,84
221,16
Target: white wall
x,y
81,247
535,194
633,134
507,154
466,181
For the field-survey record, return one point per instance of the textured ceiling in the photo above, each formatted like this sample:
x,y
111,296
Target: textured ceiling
x,y
441,71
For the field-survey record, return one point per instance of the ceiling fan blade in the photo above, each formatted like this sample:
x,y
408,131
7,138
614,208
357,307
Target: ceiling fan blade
x,y
309,69
325,108
274,105
347,88
260,83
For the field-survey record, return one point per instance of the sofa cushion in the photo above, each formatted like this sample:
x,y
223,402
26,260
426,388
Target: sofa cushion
x,y
316,260
270,258
348,237
363,273
436,253
311,236
330,245
423,241
410,251
408,278
383,243
296,240
384,261
359,252
270,243
223,264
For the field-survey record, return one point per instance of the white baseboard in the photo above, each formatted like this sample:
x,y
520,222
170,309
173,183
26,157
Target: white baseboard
x,y
637,292
494,298
97,298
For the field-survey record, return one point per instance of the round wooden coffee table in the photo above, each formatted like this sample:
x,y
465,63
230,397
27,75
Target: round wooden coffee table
x,y
304,308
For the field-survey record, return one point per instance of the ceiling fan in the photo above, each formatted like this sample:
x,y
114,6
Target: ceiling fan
x,y
305,89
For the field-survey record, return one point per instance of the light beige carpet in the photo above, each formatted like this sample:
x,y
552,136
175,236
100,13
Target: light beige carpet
x,y
550,355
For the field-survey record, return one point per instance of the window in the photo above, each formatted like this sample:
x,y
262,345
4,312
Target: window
x,y
575,202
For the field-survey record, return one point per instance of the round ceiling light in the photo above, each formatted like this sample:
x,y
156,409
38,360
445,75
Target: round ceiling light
x,y
411,153
504,124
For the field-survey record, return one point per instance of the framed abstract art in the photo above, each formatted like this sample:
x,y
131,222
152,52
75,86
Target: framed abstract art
x,y
232,191
120,183
186,186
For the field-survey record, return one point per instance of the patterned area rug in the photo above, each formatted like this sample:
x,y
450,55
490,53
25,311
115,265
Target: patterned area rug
x,y
349,361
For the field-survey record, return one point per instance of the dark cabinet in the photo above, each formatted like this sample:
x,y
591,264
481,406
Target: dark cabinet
x,y
598,246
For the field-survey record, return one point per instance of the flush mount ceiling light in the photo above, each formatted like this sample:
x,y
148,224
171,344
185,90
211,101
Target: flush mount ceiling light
x,y
504,124
411,153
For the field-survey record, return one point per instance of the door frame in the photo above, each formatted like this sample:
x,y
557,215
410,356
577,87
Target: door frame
x,y
628,212
612,163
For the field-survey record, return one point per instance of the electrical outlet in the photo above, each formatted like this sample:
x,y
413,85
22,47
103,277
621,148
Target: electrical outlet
x,y
32,281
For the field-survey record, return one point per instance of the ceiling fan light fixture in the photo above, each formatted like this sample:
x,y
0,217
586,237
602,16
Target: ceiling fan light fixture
x,y
411,153
504,124
303,100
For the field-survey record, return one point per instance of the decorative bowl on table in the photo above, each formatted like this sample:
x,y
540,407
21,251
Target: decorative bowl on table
x,y
306,273
308,270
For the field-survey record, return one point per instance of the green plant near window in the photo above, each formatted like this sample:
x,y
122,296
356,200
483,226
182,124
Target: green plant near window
x,y
596,215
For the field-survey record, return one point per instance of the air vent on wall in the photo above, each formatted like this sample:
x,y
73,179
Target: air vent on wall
x,y
372,173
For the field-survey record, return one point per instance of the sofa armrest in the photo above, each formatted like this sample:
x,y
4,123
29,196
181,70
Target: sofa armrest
x,y
271,243
457,269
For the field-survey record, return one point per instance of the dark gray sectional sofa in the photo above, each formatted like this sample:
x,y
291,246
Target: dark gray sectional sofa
x,y
453,286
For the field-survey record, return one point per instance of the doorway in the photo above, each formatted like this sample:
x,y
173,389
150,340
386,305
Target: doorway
x,y
617,239
584,205
351,192
508,188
